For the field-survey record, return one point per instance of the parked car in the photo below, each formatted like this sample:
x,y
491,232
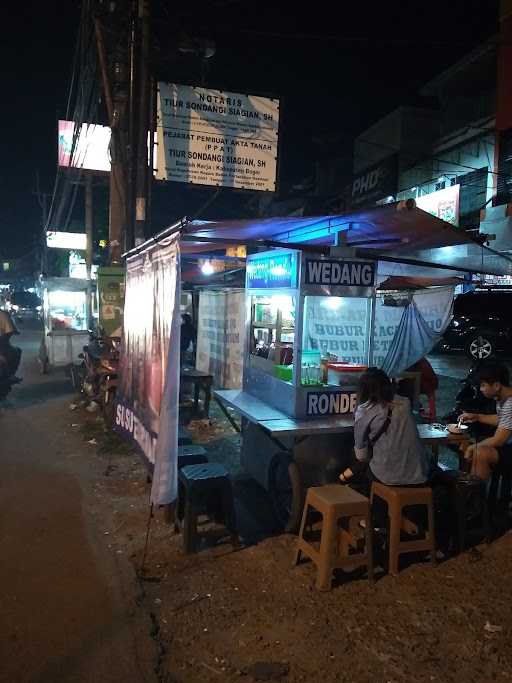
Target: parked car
x,y
23,305
481,324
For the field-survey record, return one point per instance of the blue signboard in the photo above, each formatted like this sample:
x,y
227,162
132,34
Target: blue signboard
x,y
272,271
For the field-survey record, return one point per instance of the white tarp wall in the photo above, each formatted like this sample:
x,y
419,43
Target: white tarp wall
x,y
342,331
220,336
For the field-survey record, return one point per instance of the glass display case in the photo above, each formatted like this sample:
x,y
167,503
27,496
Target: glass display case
x,y
273,328
66,310
309,330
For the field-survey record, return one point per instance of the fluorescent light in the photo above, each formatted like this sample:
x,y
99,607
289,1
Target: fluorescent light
x,y
333,303
207,268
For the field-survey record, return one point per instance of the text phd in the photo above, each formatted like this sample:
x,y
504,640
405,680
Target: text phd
x,y
331,403
347,273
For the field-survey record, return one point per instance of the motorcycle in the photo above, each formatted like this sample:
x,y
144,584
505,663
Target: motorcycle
x,y
10,357
6,385
96,377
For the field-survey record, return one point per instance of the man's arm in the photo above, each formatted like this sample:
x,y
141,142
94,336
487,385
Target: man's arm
x,y
499,438
491,420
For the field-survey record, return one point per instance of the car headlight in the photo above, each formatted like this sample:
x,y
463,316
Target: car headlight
x,y
15,307
39,308
455,323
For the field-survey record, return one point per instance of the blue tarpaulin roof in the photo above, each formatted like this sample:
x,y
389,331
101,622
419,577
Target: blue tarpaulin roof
x,y
399,232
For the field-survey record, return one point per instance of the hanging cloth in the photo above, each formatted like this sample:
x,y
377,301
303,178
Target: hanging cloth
x,y
413,339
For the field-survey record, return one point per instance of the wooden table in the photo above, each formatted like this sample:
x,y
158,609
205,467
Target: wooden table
x,y
200,380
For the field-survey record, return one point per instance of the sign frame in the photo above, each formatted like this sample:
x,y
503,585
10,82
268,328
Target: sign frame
x,y
217,138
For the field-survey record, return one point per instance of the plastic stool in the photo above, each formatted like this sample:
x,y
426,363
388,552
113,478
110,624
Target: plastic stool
x,y
462,487
501,478
191,455
397,498
336,503
206,489
187,455
184,436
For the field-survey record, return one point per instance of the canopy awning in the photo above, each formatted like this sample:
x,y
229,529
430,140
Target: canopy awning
x,y
399,282
396,232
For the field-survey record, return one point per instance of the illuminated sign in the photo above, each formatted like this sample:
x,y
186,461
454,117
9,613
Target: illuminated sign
x,y
331,402
443,204
66,240
339,273
78,267
272,271
90,149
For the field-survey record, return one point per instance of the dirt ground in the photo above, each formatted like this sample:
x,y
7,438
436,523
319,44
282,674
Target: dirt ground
x,y
107,601
69,607
225,614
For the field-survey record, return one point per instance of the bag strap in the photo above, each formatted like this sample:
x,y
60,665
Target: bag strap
x,y
383,429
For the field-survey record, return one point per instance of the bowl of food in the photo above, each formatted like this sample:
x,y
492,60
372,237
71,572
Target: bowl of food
x,y
457,428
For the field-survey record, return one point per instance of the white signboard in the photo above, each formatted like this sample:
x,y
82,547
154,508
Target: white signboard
x,y
444,204
342,331
209,137
66,240
220,337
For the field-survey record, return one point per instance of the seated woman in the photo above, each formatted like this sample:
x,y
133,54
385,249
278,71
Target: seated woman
x,y
387,442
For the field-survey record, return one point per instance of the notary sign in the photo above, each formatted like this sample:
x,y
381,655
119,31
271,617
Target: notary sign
x,y
210,137
331,402
339,273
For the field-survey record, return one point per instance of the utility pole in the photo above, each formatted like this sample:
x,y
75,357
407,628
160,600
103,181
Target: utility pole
x,y
42,199
89,226
143,121
114,78
124,66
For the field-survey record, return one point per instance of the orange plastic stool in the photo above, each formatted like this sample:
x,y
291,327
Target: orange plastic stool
x,y
335,503
397,498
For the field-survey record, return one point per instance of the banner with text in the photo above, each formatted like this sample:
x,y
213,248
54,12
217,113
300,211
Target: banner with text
x,y
220,337
210,137
147,398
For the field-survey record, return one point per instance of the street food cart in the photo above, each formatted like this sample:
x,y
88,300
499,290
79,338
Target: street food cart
x,y
65,322
298,396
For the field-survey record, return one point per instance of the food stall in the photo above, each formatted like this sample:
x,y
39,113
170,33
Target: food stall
x,y
314,320
65,322
298,398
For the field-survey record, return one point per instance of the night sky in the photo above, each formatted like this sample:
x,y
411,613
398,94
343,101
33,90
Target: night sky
x,y
336,71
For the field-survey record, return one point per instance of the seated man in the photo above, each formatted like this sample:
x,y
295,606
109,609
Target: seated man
x,y
496,449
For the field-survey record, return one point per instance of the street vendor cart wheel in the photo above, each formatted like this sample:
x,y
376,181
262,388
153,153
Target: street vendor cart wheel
x,y
286,491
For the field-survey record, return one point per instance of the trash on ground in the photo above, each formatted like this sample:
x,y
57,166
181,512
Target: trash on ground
x,y
492,628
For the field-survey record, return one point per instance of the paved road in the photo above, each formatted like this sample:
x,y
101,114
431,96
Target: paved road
x,y
64,614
